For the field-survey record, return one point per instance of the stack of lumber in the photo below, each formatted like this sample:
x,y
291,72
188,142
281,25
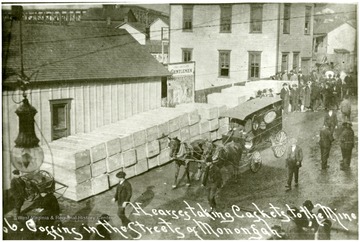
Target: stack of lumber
x,y
87,163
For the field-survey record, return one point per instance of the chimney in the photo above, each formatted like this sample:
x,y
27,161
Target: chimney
x,y
126,19
108,20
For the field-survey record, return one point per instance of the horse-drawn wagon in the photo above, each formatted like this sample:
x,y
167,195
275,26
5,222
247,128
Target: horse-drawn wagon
x,y
253,125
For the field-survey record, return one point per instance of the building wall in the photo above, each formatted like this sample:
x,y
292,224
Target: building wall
x,y
296,40
206,40
155,29
136,34
342,37
93,105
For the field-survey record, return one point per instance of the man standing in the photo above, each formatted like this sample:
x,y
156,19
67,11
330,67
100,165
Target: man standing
x,y
345,108
293,163
326,139
122,196
347,144
331,119
294,97
285,96
213,180
18,192
324,228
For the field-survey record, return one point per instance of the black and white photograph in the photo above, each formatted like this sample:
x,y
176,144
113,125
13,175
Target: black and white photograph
x,y
203,120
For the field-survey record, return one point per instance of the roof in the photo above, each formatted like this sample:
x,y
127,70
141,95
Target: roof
x,y
141,27
245,109
78,52
164,19
325,28
341,51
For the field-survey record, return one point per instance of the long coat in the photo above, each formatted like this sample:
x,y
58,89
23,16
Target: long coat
x,y
298,157
326,137
347,139
123,193
307,96
212,177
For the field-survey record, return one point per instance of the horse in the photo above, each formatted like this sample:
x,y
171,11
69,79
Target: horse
x,y
182,153
224,155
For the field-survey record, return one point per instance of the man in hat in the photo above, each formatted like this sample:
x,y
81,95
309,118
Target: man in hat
x,y
285,96
212,180
347,144
18,192
326,139
122,196
345,108
331,119
294,97
293,163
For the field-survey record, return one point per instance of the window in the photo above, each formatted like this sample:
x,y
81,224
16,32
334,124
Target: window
x,y
224,63
296,61
225,19
256,18
254,64
284,61
186,55
286,26
307,19
60,118
187,17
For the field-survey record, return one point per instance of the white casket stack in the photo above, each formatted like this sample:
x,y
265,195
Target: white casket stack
x,y
88,162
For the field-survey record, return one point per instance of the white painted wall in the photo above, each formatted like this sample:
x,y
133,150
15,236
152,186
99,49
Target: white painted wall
x,y
342,37
94,105
155,29
136,34
206,40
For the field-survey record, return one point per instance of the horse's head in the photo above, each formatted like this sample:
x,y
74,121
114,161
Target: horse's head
x,y
174,145
208,149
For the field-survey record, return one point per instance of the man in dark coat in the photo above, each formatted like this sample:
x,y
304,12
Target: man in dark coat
x,y
293,163
345,108
213,181
331,119
295,98
347,144
326,139
285,96
122,196
324,228
18,192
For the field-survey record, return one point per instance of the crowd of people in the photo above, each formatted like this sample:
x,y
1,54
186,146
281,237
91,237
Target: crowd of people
x,y
313,93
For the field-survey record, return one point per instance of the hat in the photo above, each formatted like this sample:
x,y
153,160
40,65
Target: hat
x,y
308,204
121,174
293,141
16,172
285,84
347,122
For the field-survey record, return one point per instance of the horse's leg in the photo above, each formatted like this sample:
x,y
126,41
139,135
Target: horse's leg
x,y
187,166
198,172
177,169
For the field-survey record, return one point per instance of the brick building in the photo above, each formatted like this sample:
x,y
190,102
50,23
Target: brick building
x,y
233,43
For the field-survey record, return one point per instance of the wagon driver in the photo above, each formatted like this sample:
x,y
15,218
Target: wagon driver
x,y
213,181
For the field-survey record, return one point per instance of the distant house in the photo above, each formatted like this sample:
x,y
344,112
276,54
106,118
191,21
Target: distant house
x,y
335,44
86,77
109,13
136,30
159,29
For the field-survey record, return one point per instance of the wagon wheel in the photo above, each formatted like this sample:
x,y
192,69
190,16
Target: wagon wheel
x,y
278,143
255,161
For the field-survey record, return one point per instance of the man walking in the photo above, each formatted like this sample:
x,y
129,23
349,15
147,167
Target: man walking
x,y
213,181
18,192
122,196
326,139
331,119
345,108
293,163
347,144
